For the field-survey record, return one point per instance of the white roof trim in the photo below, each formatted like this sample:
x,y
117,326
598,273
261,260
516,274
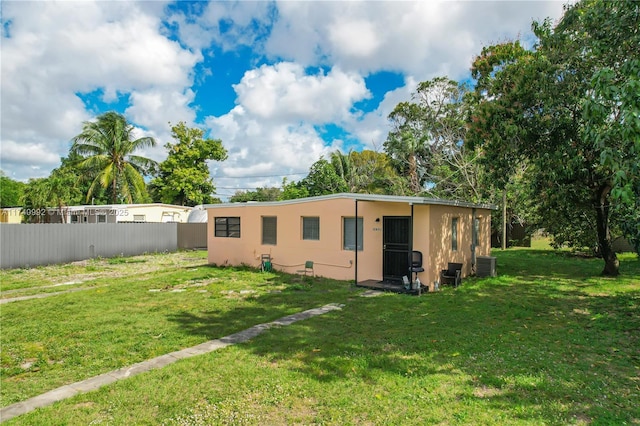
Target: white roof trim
x,y
120,206
359,197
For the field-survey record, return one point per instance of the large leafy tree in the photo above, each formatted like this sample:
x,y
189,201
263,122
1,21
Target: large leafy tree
x,y
453,170
10,191
406,143
292,190
184,177
109,148
533,106
260,194
611,113
36,198
64,186
323,179
427,142
368,172
81,179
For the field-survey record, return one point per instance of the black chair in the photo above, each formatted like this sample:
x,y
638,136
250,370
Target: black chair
x,y
453,274
415,265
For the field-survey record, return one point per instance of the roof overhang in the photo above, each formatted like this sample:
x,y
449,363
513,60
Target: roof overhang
x,y
360,197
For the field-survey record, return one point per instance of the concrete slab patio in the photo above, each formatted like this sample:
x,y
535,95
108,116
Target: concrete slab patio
x,y
96,382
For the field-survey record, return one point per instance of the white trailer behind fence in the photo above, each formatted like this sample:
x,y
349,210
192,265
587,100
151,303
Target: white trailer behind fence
x,y
25,245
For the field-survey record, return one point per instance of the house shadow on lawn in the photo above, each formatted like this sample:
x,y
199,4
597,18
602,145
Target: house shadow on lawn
x,y
521,348
269,298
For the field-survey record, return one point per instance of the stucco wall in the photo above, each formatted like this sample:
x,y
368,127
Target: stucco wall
x,y
432,236
440,246
290,251
370,261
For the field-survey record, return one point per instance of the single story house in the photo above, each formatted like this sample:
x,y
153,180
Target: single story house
x,y
327,230
116,213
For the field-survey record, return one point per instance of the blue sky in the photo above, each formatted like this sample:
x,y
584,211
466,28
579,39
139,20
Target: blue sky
x,y
280,83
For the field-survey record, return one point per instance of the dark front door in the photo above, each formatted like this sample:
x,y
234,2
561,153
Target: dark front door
x,y
395,249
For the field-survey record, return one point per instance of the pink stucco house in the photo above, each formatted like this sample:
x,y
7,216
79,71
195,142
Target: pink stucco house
x,y
325,230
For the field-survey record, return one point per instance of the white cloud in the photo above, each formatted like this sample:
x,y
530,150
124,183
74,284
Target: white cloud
x,y
355,38
30,154
284,92
52,52
260,157
372,128
423,39
298,33
157,107
271,130
226,24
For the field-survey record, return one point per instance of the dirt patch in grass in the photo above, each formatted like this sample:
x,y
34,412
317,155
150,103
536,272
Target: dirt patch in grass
x,y
16,281
487,392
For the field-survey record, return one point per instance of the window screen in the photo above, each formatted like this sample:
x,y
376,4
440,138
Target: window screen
x,y
454,234
310,228
269,230
476,231
349,233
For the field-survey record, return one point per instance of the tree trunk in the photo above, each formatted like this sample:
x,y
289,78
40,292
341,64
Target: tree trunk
x,y
114,192
504,219
414,181
611,263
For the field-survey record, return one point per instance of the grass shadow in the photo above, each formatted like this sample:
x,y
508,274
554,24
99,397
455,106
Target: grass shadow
x,y
546,341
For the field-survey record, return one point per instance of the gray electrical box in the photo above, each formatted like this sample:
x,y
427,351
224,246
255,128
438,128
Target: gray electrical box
x,y
486,266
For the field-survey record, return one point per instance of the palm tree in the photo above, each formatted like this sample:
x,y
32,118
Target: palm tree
x,y
367,172
407,142
107,146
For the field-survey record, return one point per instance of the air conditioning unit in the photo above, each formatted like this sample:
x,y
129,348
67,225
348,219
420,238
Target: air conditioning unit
x,y
485,266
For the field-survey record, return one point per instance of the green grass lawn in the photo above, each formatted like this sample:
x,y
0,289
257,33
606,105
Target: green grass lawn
x,y
548,341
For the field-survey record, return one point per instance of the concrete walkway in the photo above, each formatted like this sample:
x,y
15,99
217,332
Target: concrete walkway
x,y
43,295
96,382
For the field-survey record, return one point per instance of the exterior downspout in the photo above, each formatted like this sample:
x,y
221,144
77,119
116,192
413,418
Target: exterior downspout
x,y
474,239
356,244
410,241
